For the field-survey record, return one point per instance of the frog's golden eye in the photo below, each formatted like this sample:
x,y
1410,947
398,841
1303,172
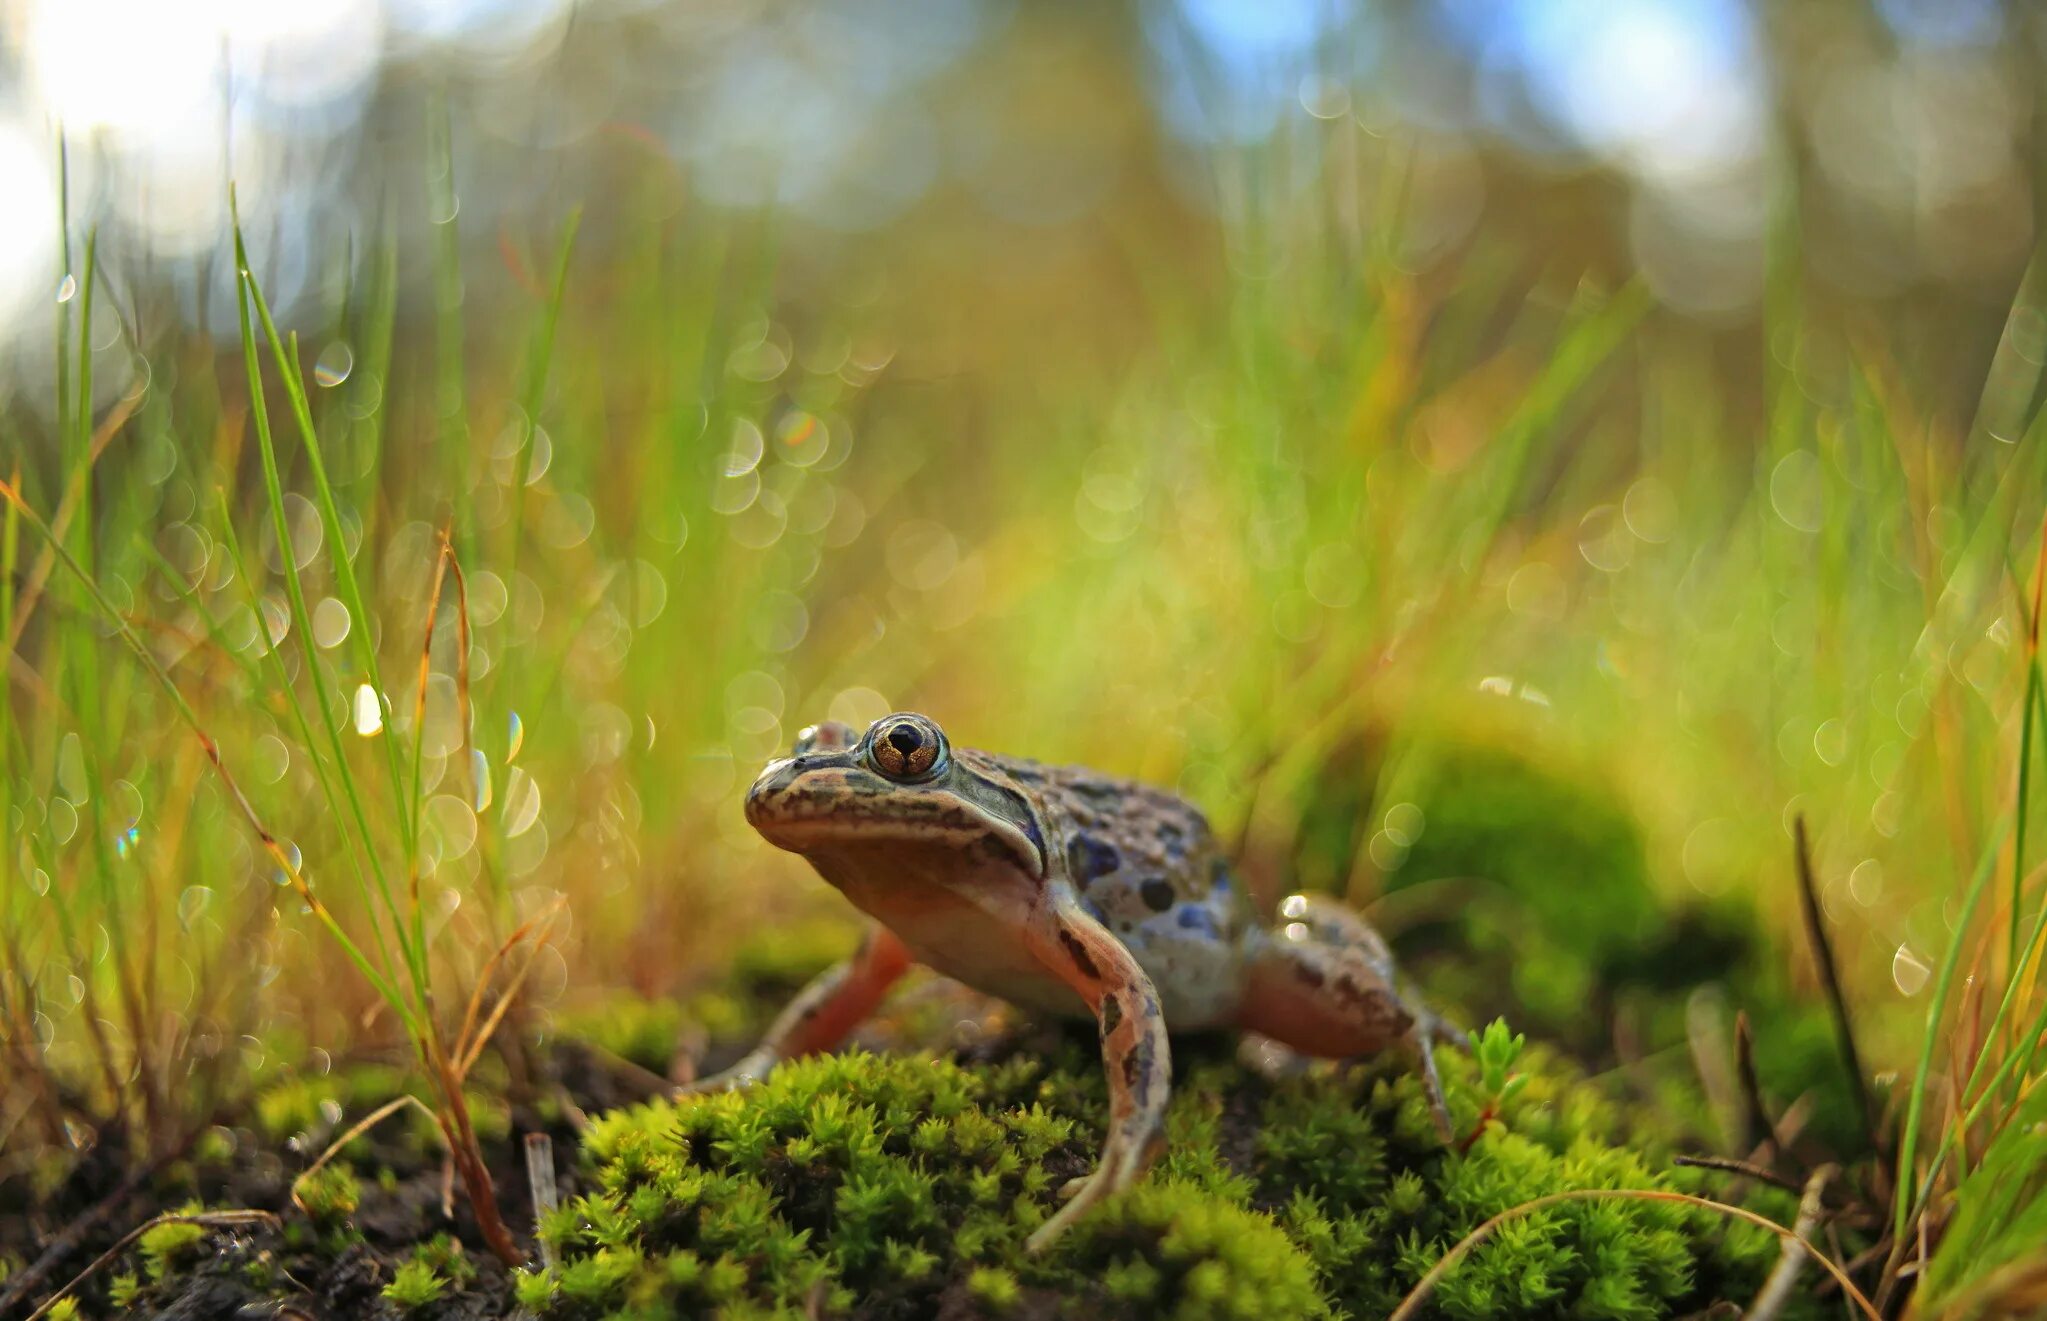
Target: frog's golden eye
x,y
905,747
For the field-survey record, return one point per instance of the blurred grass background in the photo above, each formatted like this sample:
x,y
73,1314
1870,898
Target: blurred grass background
x,y
1504,462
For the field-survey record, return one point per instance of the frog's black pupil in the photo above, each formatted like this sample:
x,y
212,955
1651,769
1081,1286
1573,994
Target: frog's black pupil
x,y
904,739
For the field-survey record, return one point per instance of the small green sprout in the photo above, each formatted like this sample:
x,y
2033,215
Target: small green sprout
x,y
414,1285
330,1195
1497,1050
995,1287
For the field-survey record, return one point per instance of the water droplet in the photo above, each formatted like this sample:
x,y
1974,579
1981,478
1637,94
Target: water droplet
x,y
294,863
744,454
71,776
127,841
63,820
336,361
1866,882
369,712
515,737
801,438
1604,540
1909,971
1404,823
192,904
522,803
1798,490
272,759
330,622
479,776
67,288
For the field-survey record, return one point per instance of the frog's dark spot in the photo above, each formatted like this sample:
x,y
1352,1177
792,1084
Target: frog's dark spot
x,y
1094,910
1157,894
1310,975
1077,951
1137,1066
1112,1016
1126,926
1088,858
1099,791
1196,917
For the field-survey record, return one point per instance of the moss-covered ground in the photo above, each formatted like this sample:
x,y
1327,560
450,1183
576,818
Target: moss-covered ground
x,y
904,1185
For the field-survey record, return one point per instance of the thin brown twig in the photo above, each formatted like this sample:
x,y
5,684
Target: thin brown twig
x,y
1728,1165
362,1126
210,1218
24,1282
1776,1290
1761,1131
1823,955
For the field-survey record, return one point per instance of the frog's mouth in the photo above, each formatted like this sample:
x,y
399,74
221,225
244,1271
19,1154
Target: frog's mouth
x,y
809,803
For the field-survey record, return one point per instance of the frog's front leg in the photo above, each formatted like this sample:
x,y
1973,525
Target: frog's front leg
x,y
823,1014
1322,981
1135,1054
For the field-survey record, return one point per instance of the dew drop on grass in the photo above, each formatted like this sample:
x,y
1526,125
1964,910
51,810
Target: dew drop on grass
x,y
522,803
272,759
1908,971
1798,490
330,622
67,288
336,361
71,769
63,820
479,777
515,737
369,712
294,858
192,904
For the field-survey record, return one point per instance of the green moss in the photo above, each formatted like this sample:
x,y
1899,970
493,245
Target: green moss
x,y
295,1106
330,1195
896,1186
64,1309
415,1284
167,1246
647,1032
123,1290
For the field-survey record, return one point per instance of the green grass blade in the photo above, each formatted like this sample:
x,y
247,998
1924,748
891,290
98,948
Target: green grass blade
x,y
302,621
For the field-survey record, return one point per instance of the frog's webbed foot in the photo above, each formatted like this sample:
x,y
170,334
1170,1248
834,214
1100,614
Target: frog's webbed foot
x,y
1135,1054
1323,983
821,1016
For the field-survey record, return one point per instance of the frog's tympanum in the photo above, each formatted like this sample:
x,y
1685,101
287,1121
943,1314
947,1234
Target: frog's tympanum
x,y
1067,892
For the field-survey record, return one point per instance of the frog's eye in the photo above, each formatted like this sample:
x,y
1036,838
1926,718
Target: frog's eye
x,y
905,747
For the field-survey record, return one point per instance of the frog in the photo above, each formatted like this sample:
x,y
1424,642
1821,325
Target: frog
x,y
1070,893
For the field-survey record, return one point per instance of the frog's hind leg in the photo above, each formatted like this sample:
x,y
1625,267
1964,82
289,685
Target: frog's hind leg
x,y
1322,981
823,1014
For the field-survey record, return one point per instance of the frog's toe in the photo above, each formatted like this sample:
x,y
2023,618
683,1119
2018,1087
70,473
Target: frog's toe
x,y
1080,1196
